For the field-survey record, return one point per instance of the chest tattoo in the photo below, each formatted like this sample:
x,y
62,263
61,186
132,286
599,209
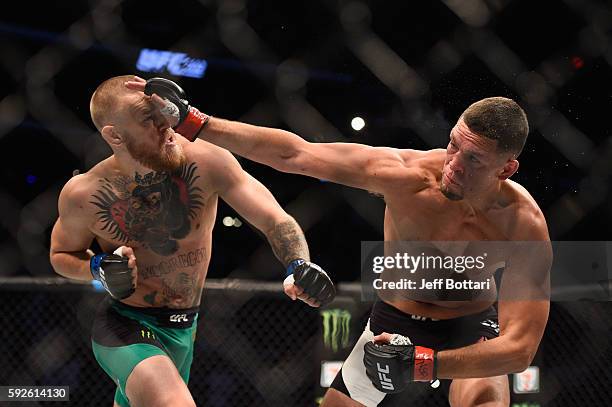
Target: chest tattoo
x,y
154,209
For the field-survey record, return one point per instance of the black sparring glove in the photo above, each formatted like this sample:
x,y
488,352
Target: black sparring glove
x,y
113,272
184,119
391,367
312,279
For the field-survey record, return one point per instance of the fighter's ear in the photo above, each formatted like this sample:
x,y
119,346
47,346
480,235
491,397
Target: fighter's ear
x,y
509,169
111,135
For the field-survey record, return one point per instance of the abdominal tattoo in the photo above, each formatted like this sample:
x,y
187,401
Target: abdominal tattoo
x,y
170,265
154,209
182,286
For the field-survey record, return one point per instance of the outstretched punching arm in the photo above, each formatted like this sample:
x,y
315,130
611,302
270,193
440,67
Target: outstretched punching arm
x,y
371,168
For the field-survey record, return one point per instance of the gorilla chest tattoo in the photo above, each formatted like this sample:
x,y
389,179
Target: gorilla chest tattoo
x,y
154,209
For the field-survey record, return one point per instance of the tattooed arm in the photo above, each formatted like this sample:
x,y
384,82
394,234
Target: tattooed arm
x,y
305,281
257,205
288,241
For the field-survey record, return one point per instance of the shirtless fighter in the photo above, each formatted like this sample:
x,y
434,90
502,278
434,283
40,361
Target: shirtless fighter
x,y
151,206
462,193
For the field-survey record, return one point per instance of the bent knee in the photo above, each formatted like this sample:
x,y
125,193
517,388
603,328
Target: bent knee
x,y
335,398
155,382
481,393
174,400
490,396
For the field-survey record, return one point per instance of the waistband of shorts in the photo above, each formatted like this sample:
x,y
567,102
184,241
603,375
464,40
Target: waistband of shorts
x,y
381,308
161,316
385,308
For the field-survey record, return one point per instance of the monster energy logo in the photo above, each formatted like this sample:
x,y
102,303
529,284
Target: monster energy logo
x,y
147,334
336,328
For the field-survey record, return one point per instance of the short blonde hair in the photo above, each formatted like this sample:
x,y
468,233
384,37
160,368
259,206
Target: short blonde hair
x,y
104,101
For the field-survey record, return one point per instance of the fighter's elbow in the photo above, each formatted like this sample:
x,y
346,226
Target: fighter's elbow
x,y
56,261
287,161
522,356
59,263
297,157
293,161
53,259
57,268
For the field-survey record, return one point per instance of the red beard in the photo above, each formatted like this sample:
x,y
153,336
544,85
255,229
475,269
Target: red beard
x,y
162,159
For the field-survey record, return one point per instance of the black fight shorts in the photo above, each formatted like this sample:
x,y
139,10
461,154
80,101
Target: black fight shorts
x,y
435,334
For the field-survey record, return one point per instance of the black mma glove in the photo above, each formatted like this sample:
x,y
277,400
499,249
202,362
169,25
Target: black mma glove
x,y
184,119
391,367
113,272
312,279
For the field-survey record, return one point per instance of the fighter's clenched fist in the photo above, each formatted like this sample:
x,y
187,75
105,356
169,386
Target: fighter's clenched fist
x,y
117,271
308,282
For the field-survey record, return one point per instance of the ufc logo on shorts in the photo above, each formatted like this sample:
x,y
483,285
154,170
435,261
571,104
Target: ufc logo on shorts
x,y
385,381
491,324
178,318
423,319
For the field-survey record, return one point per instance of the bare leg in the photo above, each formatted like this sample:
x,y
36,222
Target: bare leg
x,y
156,382
486,392
335,398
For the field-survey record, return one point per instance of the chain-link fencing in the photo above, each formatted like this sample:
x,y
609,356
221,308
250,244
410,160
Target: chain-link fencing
x,y
255,347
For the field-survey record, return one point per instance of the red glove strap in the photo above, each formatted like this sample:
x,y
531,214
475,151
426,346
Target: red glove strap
x,y
193,123
424,359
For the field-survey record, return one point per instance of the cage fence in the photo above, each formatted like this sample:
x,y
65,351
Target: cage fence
x,y
256,347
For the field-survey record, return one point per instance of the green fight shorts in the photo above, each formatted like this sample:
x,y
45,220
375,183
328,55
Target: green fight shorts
x,y
123,336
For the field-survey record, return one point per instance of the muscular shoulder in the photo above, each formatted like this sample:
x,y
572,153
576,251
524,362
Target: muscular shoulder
x,y
75,195
218,165
394,172
529,222
422,167
431,161
78,190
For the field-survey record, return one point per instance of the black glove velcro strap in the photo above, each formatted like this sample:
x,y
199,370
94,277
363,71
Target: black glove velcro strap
x,y
392,367
389,367
315,282
117,276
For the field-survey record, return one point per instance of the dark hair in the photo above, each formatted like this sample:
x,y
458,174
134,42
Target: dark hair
x,y
500,119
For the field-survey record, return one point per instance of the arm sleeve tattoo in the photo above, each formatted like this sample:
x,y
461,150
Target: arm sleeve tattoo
x,y
288,242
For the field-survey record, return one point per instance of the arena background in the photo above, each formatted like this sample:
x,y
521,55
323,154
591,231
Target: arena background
x,y
408,68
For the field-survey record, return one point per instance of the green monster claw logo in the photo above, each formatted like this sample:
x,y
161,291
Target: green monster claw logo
x,y
336,328
148,334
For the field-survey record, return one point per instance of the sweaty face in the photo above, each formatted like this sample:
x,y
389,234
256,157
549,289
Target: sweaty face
x,y
472,166
148,136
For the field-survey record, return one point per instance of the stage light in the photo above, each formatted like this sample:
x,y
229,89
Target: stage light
x,y
357,123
